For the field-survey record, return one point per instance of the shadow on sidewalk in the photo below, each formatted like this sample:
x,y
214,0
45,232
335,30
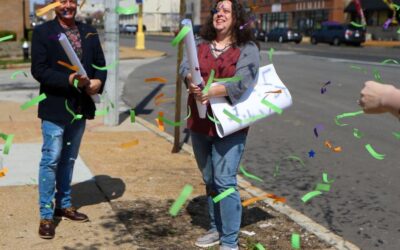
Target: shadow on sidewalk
x,y
87,193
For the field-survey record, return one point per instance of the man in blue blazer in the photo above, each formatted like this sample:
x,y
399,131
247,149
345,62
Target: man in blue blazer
x,y
68,97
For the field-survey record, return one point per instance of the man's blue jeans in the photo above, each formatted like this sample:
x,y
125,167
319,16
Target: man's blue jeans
x,y
218,160
60,149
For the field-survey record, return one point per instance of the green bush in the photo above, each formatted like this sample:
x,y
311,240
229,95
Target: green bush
x,y
30,32
7,33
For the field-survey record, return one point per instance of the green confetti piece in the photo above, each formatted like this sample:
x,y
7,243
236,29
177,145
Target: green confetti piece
x,y
230,79
19,72
344,115
248,175
296,158
377,75
76,117
290,157
133,115
169,122
395,6
259,246
182,33
214,120
357,25
398,31
374,154
388,61
189,113
310,195
357,133
33,101
358,68
325,178
397,135
47,206
275,108
76,81
295,241
270,54
184,195
323,187
210,80
7,144
128,10
232,116
101,112
5,38
223,195
111,66
68,143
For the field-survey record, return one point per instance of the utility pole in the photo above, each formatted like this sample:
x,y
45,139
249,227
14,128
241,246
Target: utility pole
x,y
24,20
140,33
178,83
111,37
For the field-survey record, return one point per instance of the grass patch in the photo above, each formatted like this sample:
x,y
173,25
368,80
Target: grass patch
x,y
5,62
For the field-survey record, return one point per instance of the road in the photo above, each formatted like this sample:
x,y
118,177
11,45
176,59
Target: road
x,y
362,205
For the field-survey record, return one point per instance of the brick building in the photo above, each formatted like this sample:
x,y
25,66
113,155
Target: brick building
x,y
304,15
12,18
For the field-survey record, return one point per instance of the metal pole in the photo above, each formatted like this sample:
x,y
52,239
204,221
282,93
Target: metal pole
x,y
140,33
111,38
178,94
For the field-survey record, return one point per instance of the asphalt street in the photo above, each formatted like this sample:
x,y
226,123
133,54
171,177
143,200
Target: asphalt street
x,y
362,205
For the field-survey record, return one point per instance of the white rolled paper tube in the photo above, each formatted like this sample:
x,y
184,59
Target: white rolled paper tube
x,y
73,58
191,53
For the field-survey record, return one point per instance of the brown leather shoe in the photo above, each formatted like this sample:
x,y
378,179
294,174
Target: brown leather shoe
x,y
47,229
70,214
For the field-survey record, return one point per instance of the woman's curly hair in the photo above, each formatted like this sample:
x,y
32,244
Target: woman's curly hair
x,y
240,18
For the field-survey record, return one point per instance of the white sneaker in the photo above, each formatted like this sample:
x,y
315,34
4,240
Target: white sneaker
x,y
211,238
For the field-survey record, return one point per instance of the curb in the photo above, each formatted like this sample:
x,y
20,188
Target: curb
x,y
302,220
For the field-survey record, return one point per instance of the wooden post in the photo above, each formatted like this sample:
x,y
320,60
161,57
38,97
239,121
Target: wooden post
x,y
178,92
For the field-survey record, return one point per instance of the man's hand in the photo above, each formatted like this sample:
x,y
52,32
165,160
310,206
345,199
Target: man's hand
x,y
83,81
94,87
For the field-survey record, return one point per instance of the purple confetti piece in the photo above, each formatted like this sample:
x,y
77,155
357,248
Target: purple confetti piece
x,y
387,23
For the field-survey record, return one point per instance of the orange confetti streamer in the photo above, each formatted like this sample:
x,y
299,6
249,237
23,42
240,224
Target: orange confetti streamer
x,y
156,79
164,100
279,91
130,144
160,123
255,199
69,66
90,34
3,172
334,149
158,96
44,10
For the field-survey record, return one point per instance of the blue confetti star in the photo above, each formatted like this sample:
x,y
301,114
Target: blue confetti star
x,y
311,154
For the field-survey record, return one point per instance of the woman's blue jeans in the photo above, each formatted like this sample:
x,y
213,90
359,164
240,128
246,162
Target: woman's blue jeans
x,y
218,160
60,149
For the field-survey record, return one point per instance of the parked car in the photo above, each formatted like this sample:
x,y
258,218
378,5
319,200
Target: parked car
x,y
131,29
335,34
259,34
283,35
